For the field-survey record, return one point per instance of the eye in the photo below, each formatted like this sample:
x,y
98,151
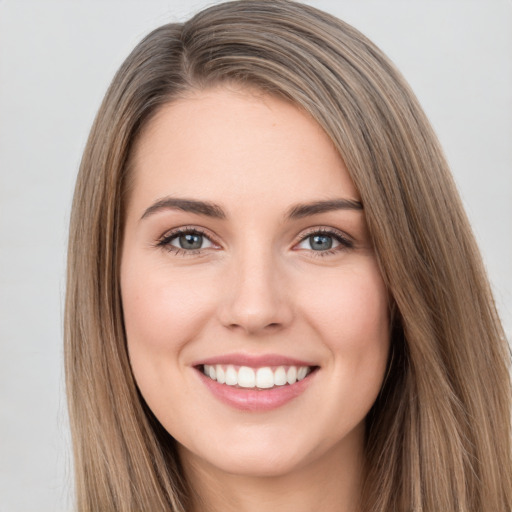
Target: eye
x,y
324,241
185,240
319,242
190,241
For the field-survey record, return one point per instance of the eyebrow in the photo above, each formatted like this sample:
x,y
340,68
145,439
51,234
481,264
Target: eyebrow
x,y
186,205
213,210
304,210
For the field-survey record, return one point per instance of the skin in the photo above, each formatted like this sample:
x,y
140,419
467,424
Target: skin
x,y
255,287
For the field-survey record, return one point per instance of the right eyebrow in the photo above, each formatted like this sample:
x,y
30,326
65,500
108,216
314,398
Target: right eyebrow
x,y
186,205
316,207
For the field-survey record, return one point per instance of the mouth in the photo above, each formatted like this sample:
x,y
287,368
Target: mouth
x,y
256,383
259,378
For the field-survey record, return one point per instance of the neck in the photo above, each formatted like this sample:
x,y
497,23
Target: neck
x,y
331,483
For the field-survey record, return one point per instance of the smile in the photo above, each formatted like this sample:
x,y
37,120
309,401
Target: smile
x,y
256,383
265,377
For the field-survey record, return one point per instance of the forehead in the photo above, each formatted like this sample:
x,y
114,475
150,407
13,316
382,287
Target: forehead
x,y
235,146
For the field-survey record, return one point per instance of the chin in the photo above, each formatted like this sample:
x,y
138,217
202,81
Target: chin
x,y
258,464
272,454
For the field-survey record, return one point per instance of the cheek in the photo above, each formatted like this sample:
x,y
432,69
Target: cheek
x,y
350,313
350,303
364,313
355,324
162,309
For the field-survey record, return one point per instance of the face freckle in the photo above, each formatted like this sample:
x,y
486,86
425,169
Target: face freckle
x,y
245,250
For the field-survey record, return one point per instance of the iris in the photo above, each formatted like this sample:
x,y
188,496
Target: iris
x,y
320,242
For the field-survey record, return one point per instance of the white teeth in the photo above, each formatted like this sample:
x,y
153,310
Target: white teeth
x,y
302,372
261,378
264,378
221,374
231,376
291,375
246,377
280,376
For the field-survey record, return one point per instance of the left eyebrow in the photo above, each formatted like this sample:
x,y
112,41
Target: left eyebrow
x,y
304,210
187,205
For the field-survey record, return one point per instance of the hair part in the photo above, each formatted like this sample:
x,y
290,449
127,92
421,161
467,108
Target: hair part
x,y
438,436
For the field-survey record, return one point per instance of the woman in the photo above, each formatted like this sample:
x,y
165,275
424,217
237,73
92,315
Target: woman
x,y
274,297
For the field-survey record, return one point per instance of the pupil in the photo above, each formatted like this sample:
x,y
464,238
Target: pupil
x,y
320,242
191,241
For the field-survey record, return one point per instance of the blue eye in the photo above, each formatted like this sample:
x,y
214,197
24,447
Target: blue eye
x,y
186,240
324,242
319,242
189,241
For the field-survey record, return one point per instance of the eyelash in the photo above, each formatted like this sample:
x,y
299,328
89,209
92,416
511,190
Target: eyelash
x,y
165,241
339,236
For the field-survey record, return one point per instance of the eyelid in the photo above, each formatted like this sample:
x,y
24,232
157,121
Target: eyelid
x,y
325,230
164,240
345,240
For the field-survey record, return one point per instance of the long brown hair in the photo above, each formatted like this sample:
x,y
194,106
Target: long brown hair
x,y
439,434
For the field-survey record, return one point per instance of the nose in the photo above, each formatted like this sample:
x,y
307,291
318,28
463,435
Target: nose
x,y
255,298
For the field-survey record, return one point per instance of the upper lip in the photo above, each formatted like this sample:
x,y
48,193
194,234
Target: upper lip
x,y
253,361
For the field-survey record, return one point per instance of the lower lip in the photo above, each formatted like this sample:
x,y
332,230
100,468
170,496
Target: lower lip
x,y
256,400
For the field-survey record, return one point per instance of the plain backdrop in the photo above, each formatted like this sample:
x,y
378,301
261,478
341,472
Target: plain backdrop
x,y
56,61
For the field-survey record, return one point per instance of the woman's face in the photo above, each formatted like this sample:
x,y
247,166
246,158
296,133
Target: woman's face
x,y
246,256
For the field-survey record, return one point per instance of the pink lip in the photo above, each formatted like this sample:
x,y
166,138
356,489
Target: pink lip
x,y
255,400
253,361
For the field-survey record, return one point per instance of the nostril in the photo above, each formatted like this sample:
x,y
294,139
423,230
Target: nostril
x,y
253,328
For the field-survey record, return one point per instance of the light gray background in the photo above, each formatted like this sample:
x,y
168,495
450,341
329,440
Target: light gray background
x,y
56,60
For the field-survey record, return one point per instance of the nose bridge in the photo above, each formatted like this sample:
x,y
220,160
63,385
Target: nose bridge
x,y
255,298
